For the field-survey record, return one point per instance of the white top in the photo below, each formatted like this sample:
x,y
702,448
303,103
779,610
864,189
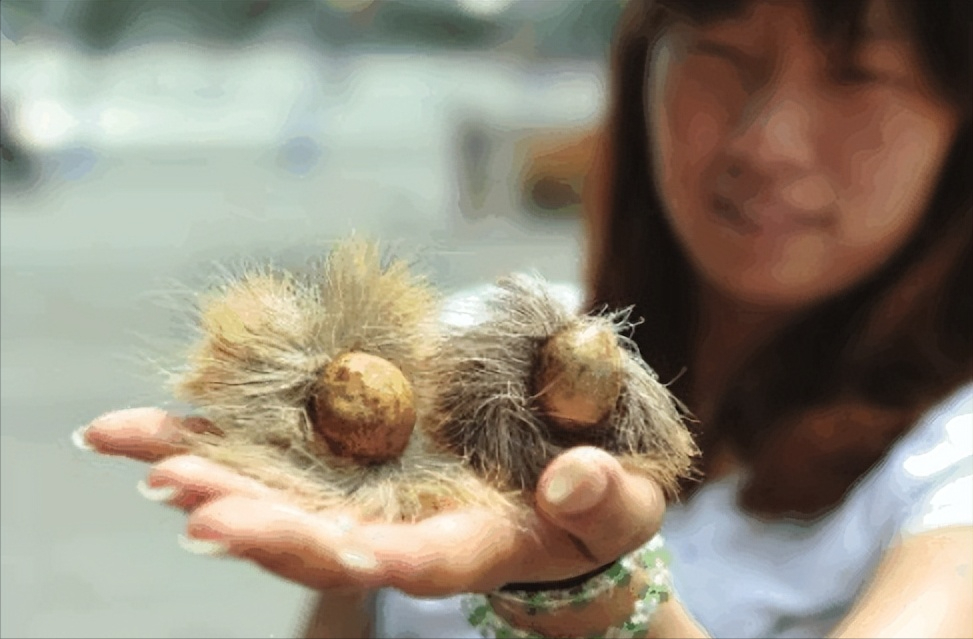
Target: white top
x,y
744,577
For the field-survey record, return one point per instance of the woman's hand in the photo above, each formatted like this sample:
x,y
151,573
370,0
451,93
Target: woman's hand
x,y
590,511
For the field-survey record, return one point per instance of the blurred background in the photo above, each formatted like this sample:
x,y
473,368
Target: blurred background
x,y
146,141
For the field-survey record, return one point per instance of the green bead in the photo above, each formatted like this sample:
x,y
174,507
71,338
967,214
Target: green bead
x,y
615,571
478,615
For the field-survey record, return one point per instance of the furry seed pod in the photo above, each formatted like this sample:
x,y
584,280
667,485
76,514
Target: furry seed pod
x,y
532,379
315,382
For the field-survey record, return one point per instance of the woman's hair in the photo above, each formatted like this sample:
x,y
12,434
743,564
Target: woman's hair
x,y
812,411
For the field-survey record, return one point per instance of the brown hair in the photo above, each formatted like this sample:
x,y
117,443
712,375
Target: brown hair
x,y
817,407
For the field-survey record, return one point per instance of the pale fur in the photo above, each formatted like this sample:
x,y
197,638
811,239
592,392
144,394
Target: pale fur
x,y
264,337
486,413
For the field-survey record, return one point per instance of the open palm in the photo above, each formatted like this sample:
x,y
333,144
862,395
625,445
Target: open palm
x,y
589,512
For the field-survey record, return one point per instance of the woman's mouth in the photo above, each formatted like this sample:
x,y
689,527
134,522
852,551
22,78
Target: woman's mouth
x,y
767,218
730,215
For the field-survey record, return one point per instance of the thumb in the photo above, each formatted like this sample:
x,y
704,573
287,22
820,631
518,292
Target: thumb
x,y
586,492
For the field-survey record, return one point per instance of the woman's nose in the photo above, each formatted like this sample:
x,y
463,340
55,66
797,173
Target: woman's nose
x,y
776,131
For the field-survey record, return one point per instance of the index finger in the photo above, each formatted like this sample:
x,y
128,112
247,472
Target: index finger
x,y
146,434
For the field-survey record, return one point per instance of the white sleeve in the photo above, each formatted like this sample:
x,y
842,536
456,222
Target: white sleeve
x,y
936,470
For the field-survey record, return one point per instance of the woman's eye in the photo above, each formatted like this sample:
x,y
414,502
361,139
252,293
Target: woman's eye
x,y
875,64
746,68
860,77
720,51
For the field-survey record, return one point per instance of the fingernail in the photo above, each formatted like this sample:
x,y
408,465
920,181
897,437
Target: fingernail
x,y
574,487
357,559
80,441
561,486
205,547
158,493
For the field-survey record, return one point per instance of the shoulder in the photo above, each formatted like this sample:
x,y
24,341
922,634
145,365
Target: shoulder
x,y
942,440
929,473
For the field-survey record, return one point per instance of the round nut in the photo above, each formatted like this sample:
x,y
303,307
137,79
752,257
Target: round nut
x,y
364,408
579,376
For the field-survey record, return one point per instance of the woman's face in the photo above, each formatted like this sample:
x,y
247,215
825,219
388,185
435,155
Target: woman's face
x,y
789,172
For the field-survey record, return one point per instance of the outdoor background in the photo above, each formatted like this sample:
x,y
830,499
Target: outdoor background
x,y
146,141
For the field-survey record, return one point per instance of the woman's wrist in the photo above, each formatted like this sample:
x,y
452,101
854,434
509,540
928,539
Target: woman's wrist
x,y
340,613
672,619
590,618
618,602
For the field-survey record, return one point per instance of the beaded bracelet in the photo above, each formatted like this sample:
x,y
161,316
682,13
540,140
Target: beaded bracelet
x,y
652,557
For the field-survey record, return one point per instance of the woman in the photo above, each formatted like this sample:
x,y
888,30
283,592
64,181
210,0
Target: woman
x,y
787,204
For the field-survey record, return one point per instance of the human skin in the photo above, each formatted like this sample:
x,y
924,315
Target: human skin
x,y
584,495
785,177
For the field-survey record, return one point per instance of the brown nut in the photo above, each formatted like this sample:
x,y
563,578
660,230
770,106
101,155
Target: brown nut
x,y
364,408
579,376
